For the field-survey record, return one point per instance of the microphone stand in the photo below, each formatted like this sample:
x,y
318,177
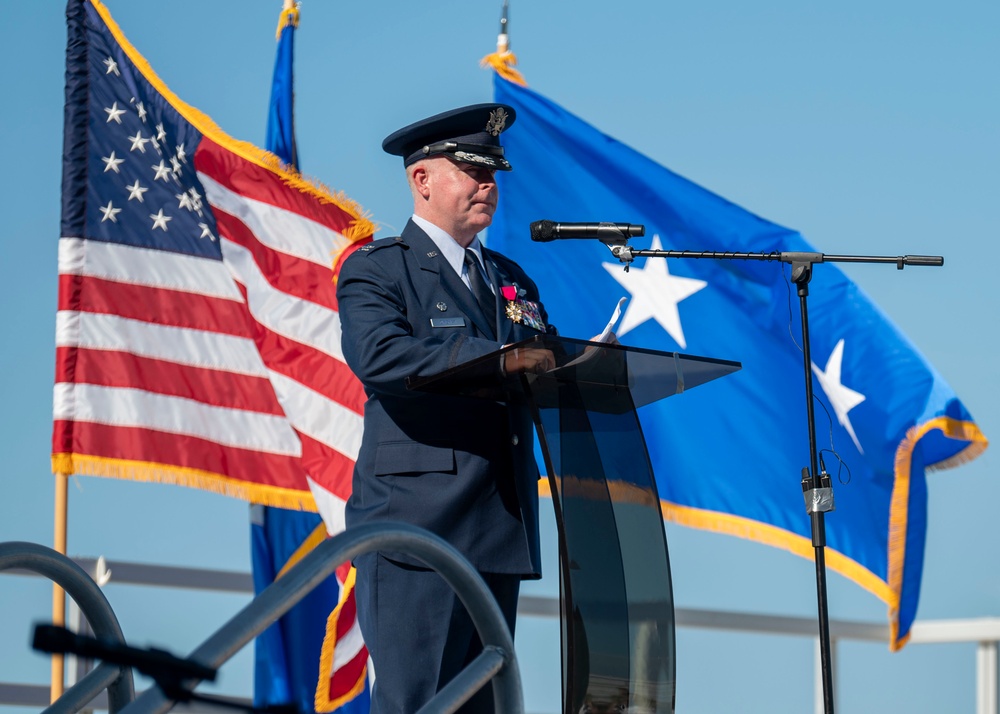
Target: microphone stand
x,y
175,676
816,488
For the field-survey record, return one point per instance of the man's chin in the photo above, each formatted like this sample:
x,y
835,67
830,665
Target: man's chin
x,y
481,221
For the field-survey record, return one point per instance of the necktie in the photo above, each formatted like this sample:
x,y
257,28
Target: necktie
x,y
480,288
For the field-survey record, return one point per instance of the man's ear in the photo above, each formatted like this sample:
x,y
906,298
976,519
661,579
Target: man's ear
x,y
420,179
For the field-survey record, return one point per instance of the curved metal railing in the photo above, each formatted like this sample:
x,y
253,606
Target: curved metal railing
x,y
497,663
95,606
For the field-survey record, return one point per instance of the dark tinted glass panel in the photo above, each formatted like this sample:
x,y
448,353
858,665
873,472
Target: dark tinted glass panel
x,y
618,632
617,602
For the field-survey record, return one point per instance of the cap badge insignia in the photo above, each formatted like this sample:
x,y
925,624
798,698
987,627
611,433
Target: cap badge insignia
x,y
497,122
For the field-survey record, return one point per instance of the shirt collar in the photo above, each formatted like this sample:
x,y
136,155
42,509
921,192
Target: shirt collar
x,y
451,251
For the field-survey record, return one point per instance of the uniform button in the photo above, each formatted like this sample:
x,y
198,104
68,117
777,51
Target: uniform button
x,y
514,440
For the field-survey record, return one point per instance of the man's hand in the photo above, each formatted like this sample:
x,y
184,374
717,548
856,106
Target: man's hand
x,y
532,360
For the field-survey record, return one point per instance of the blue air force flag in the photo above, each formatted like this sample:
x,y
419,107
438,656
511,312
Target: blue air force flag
x,y
728,457
313,656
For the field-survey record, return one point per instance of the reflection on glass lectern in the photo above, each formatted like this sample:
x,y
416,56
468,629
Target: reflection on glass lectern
x,y
617,609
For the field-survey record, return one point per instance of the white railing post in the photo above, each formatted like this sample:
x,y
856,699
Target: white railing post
x,y
819,704
987,701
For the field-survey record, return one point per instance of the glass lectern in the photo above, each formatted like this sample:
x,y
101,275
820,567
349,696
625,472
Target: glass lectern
x,y
617,610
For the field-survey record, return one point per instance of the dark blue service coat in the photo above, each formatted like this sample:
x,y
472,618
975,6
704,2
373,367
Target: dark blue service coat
x,y
460,467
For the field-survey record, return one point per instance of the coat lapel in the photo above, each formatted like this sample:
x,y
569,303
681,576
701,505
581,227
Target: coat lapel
x,y
499,278
429,259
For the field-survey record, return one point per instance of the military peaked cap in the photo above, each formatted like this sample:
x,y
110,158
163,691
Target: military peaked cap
x,y
468,134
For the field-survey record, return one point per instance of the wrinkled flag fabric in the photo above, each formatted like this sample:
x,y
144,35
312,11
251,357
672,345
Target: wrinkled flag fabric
x,y
314,655
728,456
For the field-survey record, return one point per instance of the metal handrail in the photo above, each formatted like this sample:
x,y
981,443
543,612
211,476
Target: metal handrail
x,y
88,595
982,632
497,662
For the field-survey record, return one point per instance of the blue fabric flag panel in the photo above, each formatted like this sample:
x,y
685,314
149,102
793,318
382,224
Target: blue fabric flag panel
x,y
728,457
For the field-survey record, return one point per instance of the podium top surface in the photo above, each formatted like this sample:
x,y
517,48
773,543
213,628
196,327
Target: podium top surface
x,y
649,375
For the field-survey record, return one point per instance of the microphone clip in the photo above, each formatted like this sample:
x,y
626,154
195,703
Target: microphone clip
x,y
622,251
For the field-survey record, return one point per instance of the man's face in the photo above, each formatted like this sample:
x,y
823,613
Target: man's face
x,y
460,198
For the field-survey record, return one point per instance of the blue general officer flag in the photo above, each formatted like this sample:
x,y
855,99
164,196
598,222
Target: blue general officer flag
x,y
728,457
281,114
288,655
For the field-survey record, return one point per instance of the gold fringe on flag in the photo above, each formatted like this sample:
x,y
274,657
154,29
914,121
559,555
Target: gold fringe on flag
x,y
361,226
888,590
764,533
150,472
312,540
899,511
322,700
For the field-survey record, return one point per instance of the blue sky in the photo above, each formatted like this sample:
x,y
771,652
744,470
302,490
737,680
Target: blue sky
x,y
870,128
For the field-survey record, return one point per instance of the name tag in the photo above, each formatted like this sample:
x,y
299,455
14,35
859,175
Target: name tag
x,y
447,322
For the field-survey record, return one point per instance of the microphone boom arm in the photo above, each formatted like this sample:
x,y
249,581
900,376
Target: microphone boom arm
x,y
626,254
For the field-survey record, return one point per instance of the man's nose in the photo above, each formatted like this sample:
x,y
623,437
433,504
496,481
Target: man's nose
x,y
487,177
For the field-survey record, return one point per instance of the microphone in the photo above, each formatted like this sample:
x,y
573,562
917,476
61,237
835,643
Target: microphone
x,y
162,666
544,231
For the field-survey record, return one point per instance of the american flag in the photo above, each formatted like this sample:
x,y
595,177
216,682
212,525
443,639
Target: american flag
x,y
198,341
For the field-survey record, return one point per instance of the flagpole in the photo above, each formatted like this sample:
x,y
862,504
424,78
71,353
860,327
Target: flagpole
x,y
816,486
58,594
503,39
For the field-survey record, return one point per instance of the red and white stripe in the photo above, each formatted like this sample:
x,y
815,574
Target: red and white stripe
x,y
230,369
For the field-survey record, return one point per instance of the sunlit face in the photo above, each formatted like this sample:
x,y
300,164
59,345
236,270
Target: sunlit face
x,y
457,197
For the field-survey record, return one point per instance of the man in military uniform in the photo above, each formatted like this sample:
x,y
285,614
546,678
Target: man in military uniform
x,y
430,299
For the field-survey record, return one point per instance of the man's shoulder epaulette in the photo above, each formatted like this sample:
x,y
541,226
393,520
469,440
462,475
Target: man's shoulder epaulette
x,y
381,243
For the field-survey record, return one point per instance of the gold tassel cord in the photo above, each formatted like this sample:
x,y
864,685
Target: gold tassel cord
x,y
289,16
502,62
